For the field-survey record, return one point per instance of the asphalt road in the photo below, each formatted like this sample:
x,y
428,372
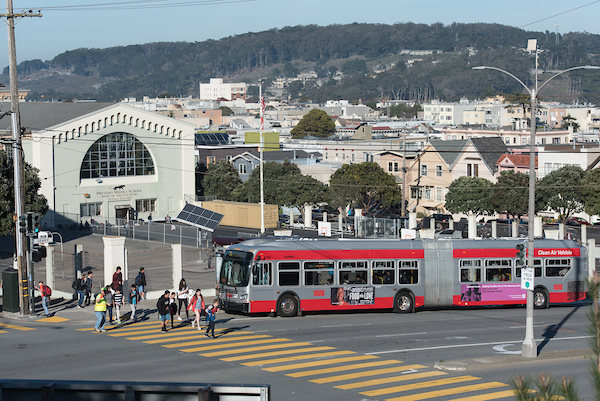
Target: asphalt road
x,y
335,356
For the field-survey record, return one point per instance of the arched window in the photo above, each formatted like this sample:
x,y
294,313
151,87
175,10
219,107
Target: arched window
x,y
116,155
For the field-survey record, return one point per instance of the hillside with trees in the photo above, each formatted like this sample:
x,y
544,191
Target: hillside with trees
x,y
357,50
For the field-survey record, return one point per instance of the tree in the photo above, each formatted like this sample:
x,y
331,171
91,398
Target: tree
x,y
284,185
34,202
591,191
364,185
315,123
469,194
226,111
510,194
221,179
570,121
561,191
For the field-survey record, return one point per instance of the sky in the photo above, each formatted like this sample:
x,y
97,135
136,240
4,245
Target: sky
x,y
73,24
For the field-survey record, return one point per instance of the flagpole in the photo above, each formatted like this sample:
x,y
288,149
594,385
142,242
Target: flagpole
x,y
262,145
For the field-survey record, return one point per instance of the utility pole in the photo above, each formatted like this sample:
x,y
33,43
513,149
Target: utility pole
x,y
25,281
404,173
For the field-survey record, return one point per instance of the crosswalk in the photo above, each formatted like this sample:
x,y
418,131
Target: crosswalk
x,y
4,326
370,376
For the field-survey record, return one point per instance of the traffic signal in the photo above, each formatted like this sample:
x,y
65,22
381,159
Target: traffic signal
x,y
38,253
23,223
520,254
29,222
36,222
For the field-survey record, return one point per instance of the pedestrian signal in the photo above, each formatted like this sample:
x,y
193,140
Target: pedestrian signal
x,y
23,223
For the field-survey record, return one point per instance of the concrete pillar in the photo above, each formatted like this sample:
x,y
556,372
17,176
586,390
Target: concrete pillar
x,y
494,229
291,217
325,217
583,234
451,224
472,226
561,231
307,216
114,255
515,229
412,220
591,257
432,223
358,225
177,262
50,282
341,224
538,231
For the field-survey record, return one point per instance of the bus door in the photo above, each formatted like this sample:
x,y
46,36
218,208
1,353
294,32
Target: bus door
x,y
262,293
438,273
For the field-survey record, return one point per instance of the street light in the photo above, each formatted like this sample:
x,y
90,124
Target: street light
x,y
529,349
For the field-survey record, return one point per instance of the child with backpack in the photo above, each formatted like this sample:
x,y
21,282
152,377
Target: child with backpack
x,y
197,305
134,298
140,282
211,312
172,307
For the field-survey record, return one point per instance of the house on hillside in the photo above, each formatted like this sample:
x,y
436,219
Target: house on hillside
x,y
247,161
519,163
479,157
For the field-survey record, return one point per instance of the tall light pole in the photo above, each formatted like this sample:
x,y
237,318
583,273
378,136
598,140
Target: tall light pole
x,y
529,348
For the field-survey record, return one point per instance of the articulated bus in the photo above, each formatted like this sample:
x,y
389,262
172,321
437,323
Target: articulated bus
x,y
288,276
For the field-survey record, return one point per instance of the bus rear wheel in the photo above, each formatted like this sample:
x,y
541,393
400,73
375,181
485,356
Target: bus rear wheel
x,y
540,298
403,303
288,306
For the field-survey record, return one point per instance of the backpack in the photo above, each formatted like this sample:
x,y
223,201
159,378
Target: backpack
x,y
46,291
210,315
138,280
76,284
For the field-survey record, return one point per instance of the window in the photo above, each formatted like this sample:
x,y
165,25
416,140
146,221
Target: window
x,y
438,171
242,169
352,156
547,168
424,170
384,272
415,193
318,273
396,169
470,271
390,166
210,159
262,274
427,193
537,263
557,267
472,170
145,205
353,273
289,273
409,272
498,270
116,155
439,194
90,209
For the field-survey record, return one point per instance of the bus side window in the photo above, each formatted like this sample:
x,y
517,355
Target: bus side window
x,y
289,273
262,273
353,273
409,272
318,273
538,268
470,270
383,272
557,267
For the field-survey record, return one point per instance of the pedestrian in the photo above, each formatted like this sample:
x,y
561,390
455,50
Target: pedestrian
x,y
118,303
100,311
172,307
182,297
133,299
198,307
163,310
150,218
117,281
168,219
140,281
79,285
45,291
110,297
211,311
88,288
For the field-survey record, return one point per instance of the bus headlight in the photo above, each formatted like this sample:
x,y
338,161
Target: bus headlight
x,y
244,297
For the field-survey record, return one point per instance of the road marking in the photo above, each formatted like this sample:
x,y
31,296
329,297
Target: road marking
x,y
348,325
12,326
3,331
254,349
501,350
319,363
489,396
341,368
298,358
364,374
420,385
402,334
240,344
178,336
376,382
450,391
275,353
203,340
535,325
467,345
53,319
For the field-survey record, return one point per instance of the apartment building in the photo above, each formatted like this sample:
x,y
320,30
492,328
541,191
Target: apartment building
x,y
217,89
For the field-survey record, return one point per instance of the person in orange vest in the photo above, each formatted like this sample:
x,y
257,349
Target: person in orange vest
x,y
100,311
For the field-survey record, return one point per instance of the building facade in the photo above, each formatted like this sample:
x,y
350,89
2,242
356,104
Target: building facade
x,y
217,89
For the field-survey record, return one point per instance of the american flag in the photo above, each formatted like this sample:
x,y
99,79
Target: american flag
x,y
262,112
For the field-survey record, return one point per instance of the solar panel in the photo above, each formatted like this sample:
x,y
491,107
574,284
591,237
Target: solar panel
x,y
212,138
199,217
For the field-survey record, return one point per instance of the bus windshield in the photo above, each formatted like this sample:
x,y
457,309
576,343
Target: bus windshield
x,y
235,270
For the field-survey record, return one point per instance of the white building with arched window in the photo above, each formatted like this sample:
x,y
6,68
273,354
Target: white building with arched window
x,y
107,161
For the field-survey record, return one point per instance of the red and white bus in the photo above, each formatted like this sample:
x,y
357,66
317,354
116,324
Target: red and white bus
x,y
286,276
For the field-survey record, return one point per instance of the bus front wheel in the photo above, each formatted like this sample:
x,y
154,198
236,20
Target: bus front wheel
x,y
540,298
288,306
403,303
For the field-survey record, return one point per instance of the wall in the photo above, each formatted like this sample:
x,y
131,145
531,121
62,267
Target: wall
x,y
241,214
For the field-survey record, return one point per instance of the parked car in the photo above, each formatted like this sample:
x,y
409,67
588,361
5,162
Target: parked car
x,y
439,217
577,221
